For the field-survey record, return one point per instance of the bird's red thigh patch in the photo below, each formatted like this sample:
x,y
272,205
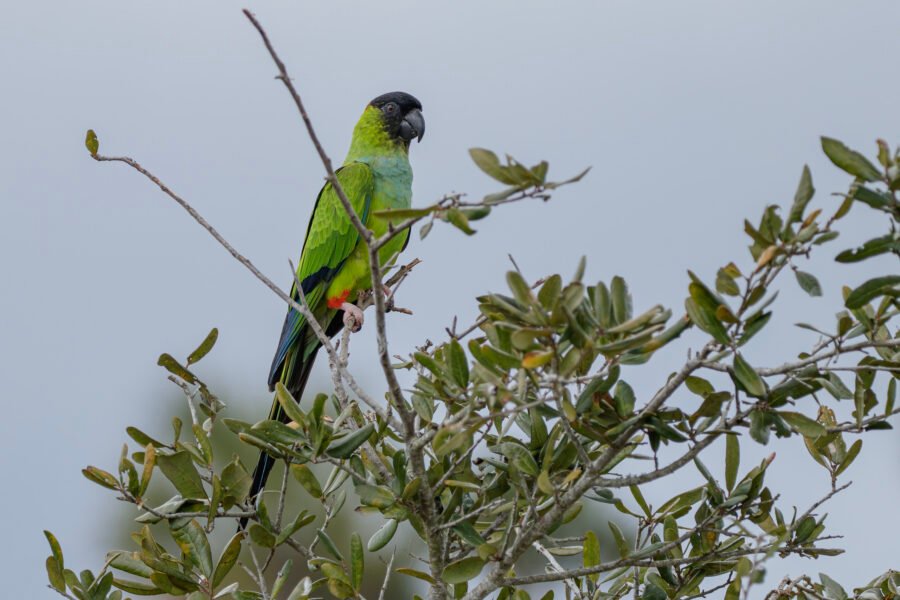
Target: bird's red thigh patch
x,y
337,301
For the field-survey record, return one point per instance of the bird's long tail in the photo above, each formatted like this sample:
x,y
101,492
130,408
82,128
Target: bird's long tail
x,y
295,380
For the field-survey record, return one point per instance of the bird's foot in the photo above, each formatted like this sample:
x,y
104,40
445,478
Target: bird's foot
x,y
353,317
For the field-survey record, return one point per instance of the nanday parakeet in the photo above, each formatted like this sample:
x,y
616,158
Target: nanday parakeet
x,y
334,263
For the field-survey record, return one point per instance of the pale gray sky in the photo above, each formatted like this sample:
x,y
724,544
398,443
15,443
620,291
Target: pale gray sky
x,y
693,114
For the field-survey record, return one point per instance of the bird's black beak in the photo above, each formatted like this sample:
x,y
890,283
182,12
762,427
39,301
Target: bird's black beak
x,y
412,126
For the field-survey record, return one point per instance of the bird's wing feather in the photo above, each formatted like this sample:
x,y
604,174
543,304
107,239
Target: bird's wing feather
x,y
330,238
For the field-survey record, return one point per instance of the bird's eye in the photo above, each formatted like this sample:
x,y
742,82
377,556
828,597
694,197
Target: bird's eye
x,y
390,107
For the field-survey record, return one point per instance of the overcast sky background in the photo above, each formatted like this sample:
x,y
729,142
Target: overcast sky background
x,y
694,116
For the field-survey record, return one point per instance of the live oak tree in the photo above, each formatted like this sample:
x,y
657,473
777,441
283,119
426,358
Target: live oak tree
x,y
517,422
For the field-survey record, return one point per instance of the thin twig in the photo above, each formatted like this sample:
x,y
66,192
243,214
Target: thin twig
x,y
558,568
387,577
323,156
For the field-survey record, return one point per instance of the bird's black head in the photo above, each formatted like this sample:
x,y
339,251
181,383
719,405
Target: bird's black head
x,y
401,114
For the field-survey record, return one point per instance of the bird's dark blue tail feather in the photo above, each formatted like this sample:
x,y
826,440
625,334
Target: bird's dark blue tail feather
x,y
294,380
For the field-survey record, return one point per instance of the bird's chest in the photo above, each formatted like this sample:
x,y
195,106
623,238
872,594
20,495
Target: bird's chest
x,y
393,189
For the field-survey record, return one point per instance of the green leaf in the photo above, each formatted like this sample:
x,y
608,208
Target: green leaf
x,y
307,479
261,536
732,460
91,142
808,283
849,160
381,537
725,283
462,570
670,534
477,213
101,587
55,575
129,562
803,425
552,185
236,481
536,359
873,247
802,196
733,591
149,464
875,199
280,579
192,540
168,362
179,469
101,477
549,292
300,521
470,535
228,558
459,220
833,590
429,363
754,325
459,366
591,553
205,346
55,549
597,386
142,438
339,589
289,404
699,386
624,399
519,287
347,445
203,443
891,397
639,498
871,289
759,427
137,588
851,455
621,300
357,561
411,489
329,544
498,197
706,319
621,544
540,170
413,573
653,592
275,432
519,456
377,496
488,162
748,377
302,590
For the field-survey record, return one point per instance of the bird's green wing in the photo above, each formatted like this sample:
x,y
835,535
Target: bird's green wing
x,y
330,238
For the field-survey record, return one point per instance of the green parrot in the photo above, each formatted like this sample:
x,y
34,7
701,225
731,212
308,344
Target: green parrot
x,y
334,263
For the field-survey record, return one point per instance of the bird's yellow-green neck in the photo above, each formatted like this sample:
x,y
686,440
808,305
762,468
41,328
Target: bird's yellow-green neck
x,y
371,141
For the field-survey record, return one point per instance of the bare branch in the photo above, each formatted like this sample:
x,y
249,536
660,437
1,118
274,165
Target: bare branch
x,y
326,162
793,367
387,577
558,568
